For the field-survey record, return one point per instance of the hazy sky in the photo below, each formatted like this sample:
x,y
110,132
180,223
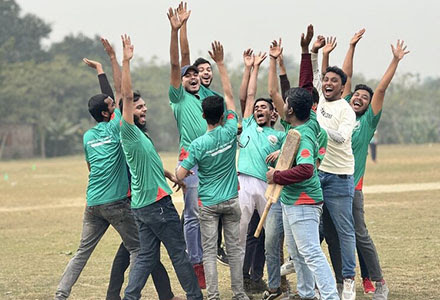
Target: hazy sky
x,y
243,23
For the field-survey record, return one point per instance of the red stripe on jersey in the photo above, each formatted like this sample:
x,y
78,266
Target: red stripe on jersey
x,y
160,194
305,153
304,199
230,116
360,184
183,154
322,151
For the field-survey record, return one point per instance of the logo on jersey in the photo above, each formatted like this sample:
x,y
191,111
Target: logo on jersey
x,y
273,140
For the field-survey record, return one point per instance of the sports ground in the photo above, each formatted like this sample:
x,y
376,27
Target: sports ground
x,y
42,203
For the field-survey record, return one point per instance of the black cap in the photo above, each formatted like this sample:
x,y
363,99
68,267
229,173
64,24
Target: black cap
x,y
187,68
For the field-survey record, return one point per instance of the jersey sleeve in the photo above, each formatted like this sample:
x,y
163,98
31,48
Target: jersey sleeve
x,y
86,154
322,144
305,152
115,122
176,95
193,157
231,123
247,122
372,119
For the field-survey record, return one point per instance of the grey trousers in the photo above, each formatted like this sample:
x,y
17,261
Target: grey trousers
x,y
229,212
364,243
95,223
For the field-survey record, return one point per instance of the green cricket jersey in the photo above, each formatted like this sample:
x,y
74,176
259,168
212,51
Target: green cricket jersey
x,y
362,133
108,179
308,191
214,153
148,183
187,109
256,143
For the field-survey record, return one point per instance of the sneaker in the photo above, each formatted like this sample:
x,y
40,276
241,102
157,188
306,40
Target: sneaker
x,y
367,285
268,295
381,292
287,268
222,257
349,291
258,286
200,273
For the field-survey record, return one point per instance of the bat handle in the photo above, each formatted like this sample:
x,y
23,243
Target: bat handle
x,y
263,219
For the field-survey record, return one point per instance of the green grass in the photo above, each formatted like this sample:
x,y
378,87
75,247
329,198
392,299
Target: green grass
x,y
41,211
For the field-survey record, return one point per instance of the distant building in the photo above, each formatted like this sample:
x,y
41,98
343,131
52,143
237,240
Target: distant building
x,y
16,141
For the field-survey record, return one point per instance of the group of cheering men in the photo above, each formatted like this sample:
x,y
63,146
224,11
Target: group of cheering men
x,y
322,195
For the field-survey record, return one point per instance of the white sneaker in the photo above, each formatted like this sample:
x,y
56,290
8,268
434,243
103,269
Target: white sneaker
x,y
381,292
287,268
349,291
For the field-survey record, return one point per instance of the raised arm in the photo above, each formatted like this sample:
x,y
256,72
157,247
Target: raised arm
x,y
347,66
328,48
284,80
217,55
317,78
275,51
127,92
305,70
252,88
175,79
248,59
379,94
116,69
184,14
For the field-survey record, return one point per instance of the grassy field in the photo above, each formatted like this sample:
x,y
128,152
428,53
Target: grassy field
x,y
42,202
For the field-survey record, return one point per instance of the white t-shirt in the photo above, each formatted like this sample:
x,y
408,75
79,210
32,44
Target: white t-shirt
x,y
338,119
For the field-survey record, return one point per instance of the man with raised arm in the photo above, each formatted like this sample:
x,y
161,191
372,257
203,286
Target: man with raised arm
x,y
155,214
368,108
215,153
257,141
107,188
186,96
121,261
301,198
337,168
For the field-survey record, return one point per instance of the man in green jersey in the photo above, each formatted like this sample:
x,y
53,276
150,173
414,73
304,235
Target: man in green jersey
x,y
214,153
186,95
155,214
301,199
107,202
368,108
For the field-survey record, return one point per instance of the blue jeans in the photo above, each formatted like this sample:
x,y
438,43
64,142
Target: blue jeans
x,y
338,191
191,225
301,230
95,223
159,222
274,232
229,212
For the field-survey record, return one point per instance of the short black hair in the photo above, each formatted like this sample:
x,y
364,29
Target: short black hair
x,y
268,100
213,109
200,61
300,100
97,105
338,71
136,97
315,95
365,88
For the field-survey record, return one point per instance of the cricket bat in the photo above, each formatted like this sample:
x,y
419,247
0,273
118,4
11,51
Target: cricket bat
x,y
285,161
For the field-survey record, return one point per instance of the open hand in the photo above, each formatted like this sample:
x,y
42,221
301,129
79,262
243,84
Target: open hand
x,y
92,63
248,58
108,48
258,59
272,157
217,52
175,22
399,51
330,45
318,44
182,12
306,39
127,47
275,49
357,36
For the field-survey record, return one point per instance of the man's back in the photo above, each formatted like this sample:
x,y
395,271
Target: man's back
x,y
108,180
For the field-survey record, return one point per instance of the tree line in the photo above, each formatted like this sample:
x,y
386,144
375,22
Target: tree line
x,y
50,88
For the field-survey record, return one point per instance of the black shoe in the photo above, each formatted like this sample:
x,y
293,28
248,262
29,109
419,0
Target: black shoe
x,y
268,295
258,286
247,285
222,257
